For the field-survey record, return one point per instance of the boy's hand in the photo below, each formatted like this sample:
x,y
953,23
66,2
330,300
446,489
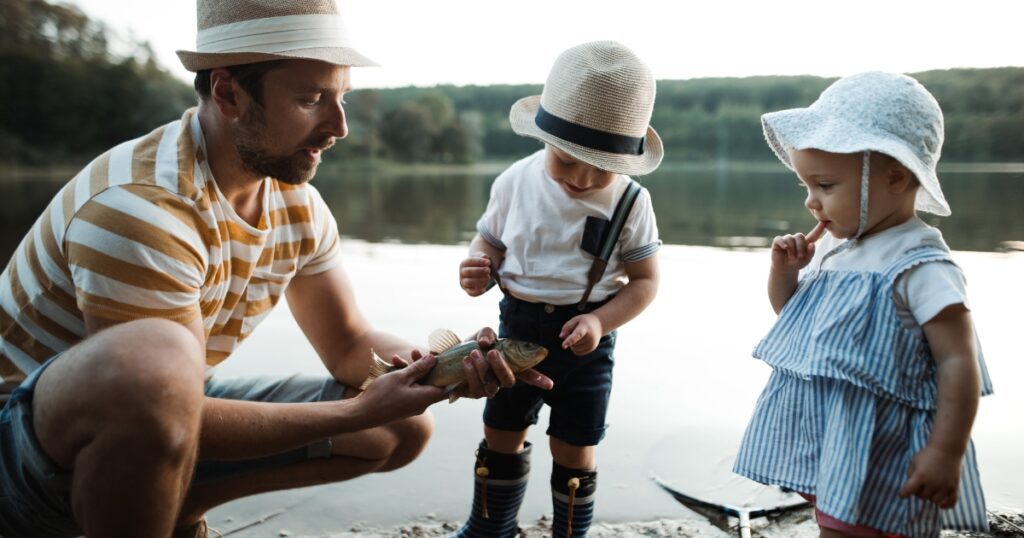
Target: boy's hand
x,y
794,251
581,334
934,476
475,274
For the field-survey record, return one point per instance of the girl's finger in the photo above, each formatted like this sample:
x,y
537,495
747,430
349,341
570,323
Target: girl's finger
x,y
816,233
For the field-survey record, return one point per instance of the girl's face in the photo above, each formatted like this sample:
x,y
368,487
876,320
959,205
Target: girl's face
x,y
576,177
833,187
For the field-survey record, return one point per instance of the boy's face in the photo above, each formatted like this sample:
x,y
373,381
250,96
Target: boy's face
x,y
833,182
576,177
300,117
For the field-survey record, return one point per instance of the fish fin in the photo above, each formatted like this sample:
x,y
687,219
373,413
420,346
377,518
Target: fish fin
x,y
442,340
451,391
378,367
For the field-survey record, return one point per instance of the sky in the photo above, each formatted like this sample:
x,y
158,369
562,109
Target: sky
x,y
484,42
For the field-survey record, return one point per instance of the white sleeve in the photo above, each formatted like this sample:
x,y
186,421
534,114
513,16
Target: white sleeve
x,y
639,238
927,289
491,224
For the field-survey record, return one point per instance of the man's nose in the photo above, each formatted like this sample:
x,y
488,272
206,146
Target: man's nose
x,y
335,124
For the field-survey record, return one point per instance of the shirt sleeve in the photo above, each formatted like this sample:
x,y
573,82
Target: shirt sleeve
x,y
327,248
491,224
136,251
927,289
639,238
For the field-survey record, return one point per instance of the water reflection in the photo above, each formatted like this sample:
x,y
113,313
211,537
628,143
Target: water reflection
x,y
712,207
715,206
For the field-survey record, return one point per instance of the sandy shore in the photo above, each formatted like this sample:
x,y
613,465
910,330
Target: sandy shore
x,y
795,525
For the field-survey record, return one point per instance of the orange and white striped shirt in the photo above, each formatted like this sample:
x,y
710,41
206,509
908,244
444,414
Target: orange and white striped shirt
x,y
143,231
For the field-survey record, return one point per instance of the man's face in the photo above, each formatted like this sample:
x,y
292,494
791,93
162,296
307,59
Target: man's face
x,y
299,118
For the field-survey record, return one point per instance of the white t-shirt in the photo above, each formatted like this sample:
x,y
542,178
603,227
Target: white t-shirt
x,y
920,292
541,228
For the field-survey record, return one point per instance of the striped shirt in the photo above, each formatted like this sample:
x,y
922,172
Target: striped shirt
x,y
143,231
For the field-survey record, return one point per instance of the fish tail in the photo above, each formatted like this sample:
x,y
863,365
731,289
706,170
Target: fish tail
x,y
378,367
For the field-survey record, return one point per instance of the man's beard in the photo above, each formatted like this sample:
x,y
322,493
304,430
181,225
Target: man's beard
x,y
250,140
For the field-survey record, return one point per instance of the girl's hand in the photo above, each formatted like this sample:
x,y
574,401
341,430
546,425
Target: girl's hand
x,y
934,476
581,334
793,252
475,274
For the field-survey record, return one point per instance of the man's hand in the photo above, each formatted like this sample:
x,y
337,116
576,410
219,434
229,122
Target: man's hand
x,y
793,252
581,334
398,395
487,373
475,274
934,475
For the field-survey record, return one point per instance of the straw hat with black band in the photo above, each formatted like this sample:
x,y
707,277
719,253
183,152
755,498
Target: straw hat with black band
x,y
236,32
596,106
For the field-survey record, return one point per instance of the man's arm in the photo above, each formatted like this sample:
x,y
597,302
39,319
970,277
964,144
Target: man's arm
x,y
324,306
236,429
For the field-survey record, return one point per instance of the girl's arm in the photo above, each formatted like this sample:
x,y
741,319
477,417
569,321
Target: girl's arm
x,y
790,254
934,473
582,333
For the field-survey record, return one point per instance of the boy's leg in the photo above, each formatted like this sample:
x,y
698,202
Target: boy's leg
x,y
125,417
573,488
501,473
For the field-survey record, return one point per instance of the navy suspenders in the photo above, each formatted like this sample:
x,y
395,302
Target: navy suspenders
x,y
611,236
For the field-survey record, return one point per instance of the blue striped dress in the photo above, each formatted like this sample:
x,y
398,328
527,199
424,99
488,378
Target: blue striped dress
x,y
850,401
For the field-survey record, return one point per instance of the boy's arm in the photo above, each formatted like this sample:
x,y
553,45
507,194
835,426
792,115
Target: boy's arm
x,y
935,470
583,333
634,297
480,245
477,271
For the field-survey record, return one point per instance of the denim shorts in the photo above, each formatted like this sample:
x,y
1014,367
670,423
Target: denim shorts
x,y
583,384
35,494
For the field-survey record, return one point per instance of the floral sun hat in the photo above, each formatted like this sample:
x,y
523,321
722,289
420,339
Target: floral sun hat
x,y
874,111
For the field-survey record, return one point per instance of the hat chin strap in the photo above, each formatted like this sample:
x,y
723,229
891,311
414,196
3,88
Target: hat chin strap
x,y
862,221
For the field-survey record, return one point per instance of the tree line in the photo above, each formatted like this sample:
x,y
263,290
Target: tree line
x,y
66,94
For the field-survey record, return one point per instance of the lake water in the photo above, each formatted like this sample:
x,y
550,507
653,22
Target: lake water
x,y
684,386
684,381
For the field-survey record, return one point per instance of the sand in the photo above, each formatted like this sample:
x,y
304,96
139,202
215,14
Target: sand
x,y
795,525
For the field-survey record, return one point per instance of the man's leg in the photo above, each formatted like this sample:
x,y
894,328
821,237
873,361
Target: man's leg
x,y
122,410
380,449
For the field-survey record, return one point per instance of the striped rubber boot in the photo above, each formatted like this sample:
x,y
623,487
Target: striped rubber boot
x,y
572,495
498,492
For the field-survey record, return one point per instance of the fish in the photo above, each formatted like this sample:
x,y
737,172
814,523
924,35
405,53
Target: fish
x,y
451,350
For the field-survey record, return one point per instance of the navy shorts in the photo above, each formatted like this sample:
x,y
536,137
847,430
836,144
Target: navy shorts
x,y
583,384
35,494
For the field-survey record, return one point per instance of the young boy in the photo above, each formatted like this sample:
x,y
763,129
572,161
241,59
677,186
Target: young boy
x,y
547,220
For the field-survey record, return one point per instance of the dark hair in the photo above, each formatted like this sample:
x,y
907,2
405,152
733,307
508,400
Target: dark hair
x,y
248,76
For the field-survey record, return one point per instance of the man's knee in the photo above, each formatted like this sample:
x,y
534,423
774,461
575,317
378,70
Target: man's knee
x,y
411,435
139,382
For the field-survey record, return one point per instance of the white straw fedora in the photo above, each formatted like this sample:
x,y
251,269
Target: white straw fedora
x,y
874,111
596,106
235,32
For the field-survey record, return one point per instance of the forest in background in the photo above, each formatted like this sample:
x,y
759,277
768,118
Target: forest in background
x,y
70,89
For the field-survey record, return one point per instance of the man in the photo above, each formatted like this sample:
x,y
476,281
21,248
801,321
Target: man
x,y
156,260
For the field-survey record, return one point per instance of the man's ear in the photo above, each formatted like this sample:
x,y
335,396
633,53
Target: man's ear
x,y
900,177
225,94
